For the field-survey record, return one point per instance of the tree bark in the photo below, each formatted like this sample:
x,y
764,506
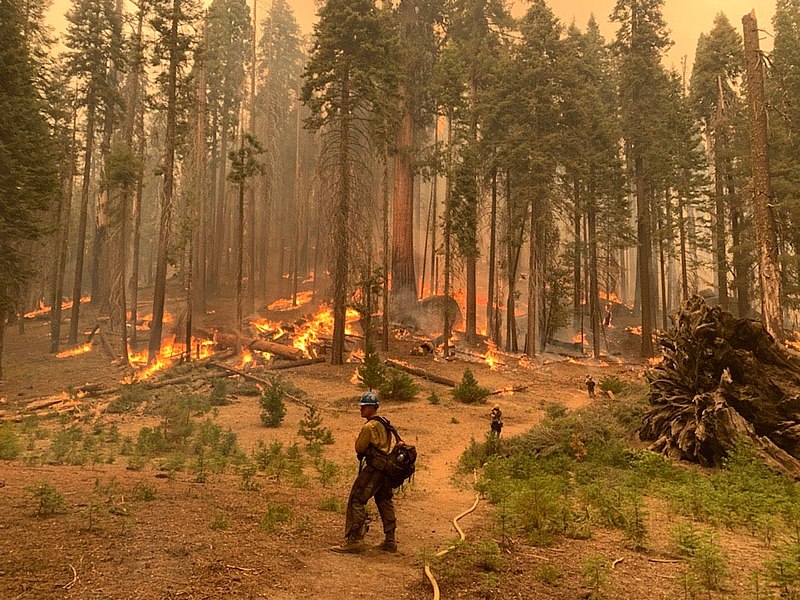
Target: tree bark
x,y
644,246
65,210
404,282
160,288
386,250
594,286
768,267
491,314
341,213
720,255
80,249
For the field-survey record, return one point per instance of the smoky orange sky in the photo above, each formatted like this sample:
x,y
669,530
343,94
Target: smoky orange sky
x,y
686,19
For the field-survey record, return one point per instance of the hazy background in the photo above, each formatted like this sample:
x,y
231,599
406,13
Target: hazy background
x,y
686,19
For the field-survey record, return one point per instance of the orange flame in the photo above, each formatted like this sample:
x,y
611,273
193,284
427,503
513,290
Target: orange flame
x,y
321,324
284,304
83,349
655,360
579,338
272,328
43,309
170,353
246,359
356,356
793,345
491,357
355,380
634,330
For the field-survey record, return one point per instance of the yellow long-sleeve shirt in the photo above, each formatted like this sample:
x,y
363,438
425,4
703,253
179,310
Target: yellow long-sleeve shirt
x,y
375,434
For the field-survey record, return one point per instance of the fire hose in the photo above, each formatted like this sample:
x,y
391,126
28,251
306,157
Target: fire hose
x,y
428,574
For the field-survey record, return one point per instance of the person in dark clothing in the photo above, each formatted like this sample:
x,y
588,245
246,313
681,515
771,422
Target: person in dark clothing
x,y
589,382
497,420
370,483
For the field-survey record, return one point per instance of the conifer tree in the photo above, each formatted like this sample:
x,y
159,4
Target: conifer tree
x,y
28,171
173,22
640,41
92,42
348,89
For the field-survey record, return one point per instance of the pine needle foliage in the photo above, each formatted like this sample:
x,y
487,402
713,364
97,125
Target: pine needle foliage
x,y
468,391
372,373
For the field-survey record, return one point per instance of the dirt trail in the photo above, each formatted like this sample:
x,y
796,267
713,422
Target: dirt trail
x,y
426,509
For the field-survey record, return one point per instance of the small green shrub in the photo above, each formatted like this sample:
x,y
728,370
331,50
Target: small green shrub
x,y
547,574
434,399
328,472
275,515
398,387
219,522
48,499
219,393
468,391
311,428
10,446
707,564
273,408
595,576
143,492
372,374
613,384
783,570
248,472
332,504
130,397
488,556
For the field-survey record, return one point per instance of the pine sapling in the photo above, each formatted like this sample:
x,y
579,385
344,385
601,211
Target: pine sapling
x,y
468,391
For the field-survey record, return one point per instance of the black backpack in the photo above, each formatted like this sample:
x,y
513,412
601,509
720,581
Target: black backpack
x,y
399,464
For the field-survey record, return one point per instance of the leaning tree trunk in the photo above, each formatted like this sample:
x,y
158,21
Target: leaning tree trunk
x,y
80,251
768,268
723,380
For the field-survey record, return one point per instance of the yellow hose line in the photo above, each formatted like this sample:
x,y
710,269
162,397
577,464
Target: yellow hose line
x,y
435,585
441,553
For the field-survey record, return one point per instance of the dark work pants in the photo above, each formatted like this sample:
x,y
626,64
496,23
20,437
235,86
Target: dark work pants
x,y
369,483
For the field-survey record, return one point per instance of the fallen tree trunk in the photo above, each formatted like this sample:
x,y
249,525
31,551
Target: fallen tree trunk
x,y
304,362
259,380
420,373
722,381
227,340
288,352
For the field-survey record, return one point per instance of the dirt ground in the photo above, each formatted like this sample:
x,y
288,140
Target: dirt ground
x,y
169,547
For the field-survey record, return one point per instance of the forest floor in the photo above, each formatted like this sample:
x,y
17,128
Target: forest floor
x,y
108,528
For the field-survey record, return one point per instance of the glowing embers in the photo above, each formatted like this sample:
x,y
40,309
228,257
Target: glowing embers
x,y
284,304
309,335
82,349
43,309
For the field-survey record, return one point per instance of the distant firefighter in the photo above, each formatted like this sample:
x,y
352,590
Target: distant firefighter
x,y
589,383
497,420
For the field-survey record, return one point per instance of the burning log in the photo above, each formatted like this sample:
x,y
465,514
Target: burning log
x,y
227,340
722,380
394,364
287,352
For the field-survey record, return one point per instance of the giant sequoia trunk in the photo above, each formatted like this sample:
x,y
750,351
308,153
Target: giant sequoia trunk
x,y
723,380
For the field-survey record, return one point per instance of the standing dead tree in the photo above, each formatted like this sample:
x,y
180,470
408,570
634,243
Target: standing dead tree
x,y
722,381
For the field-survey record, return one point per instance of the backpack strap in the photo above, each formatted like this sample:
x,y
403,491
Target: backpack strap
x,y
388,426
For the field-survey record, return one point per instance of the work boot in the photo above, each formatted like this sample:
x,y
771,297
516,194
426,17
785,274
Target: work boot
x,y
389,544
349,547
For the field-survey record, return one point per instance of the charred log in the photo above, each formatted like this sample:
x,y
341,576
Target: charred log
x,y
723,380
